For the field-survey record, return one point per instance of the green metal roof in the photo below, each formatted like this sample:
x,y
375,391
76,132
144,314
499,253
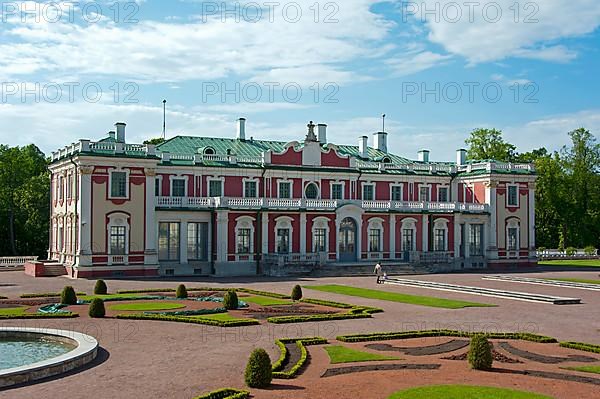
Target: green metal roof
x,y
187,145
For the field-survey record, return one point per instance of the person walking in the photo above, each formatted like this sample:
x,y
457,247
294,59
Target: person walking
x,y
379,272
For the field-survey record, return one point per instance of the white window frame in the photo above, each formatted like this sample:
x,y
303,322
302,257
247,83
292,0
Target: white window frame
x,y
424,185
220,180
447,192
110,175
375,223
517,187
513,224
440,224
362,194
61,187
251,180
307,183
285,181
285,222
118,219
401,185
409,224
185,184
342,183
158,178
320,222
245,222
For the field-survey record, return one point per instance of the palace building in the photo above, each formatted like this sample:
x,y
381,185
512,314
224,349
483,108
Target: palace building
x,y
240,206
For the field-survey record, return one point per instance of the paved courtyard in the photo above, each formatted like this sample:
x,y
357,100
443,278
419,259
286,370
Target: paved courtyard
x,y
174,360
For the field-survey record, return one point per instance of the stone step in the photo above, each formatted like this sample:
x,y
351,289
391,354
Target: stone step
x,y
54,269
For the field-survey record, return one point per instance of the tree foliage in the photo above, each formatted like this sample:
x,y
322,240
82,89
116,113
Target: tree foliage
x,y
488,144
24,201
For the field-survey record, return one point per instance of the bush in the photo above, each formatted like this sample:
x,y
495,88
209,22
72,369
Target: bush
x,y
96,309
230,301
181,292
226,393
541,249
590,250
570,251
258,371
296,293
100,288
480,353
68,296
581,346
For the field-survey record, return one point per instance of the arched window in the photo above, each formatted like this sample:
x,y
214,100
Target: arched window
x,y
512,234
320,234
440,235
209,151
409,229
311,191
375,235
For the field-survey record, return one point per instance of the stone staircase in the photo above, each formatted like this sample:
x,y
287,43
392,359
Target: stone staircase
x,y
358,269
54,269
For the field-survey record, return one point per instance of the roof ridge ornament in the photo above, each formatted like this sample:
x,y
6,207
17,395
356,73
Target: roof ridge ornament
x,y
310,136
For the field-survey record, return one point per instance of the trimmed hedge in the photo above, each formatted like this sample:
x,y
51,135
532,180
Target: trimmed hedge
x,y
354,312
230,300
327,303
302,343
258,372
219,289
296,293
181,292
442,333
96,309
3,297
226,393
480,353
40,316
68,296
46,295
581,346
183,319
100,288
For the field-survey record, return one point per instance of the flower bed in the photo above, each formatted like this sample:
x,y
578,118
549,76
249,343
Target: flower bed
x,y
226,393
441,333
284,357
183,319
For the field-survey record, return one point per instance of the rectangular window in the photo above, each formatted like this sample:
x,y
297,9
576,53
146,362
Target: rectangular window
x,y
197,240
157,190
178,188
374,240
283,241
424,193
513,196
168,241
250,190
319,240
118,185
70,186
337,191
285,190
396,193
117,240
368,192
408,240
443,194
512,243
243,241
439,240
476,239
61,188
215,188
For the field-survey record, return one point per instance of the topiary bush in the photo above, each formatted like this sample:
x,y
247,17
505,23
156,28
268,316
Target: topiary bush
x,y
570,251
590,250
100,288
258,370
68,296
181,291
96,309
480,353
230,301
296,293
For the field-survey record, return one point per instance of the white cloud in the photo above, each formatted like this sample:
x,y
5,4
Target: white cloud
x,y
416,62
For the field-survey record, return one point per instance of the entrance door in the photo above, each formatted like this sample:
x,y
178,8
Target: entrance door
x,y
347,240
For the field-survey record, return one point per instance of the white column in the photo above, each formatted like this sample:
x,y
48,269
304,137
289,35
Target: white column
x,y
457,237
531,197
84,210
392,236
336,232
467,240
150,213
222,233
425,232
183,231
303,234
265,233
359,237
491,199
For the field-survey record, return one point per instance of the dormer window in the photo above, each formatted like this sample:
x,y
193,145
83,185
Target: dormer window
x,y
209,151
386,160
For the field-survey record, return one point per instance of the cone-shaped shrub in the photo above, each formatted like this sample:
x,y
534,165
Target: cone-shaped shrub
x,y
258,370
230,301
480,353
96,309
181,291
100,288
296,293
68,296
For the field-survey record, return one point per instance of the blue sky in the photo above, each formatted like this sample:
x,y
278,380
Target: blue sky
x,y
363,58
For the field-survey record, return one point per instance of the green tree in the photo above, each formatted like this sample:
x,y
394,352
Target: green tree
x,y
155,141
489,144
24,201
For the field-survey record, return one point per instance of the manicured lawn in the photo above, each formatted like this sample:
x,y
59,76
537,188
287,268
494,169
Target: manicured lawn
x,y
112,296
146,306
585,369
265,301
218,316
342,354
571,263
464,392
397,297
13,311
575,280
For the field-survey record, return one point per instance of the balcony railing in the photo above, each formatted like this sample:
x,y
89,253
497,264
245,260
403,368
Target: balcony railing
x,y
9,262
313,204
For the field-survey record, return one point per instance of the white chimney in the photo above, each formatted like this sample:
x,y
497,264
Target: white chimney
x,y
241,129
111,134
461,156
120,132
322,133
423,156
362,147
380,141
